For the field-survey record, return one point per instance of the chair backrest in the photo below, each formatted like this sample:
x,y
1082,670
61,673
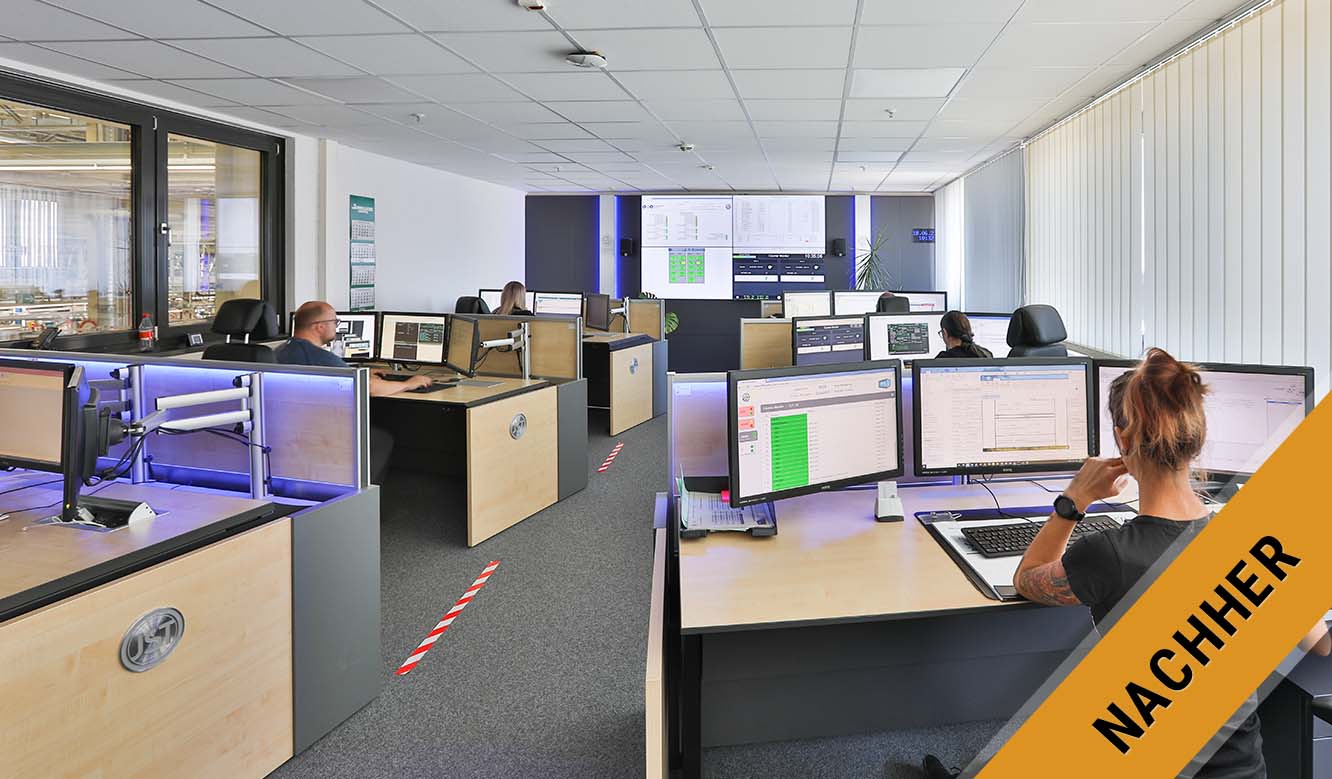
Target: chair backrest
x,y
895,304
1036,331
470,304
249,320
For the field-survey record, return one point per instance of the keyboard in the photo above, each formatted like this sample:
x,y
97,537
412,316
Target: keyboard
x,y
434,387
1010,540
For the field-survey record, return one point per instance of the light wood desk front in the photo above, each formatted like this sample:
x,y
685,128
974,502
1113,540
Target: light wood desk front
x,y
620,372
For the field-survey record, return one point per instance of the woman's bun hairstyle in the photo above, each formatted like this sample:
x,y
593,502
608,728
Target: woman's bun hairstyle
x,y
1158,407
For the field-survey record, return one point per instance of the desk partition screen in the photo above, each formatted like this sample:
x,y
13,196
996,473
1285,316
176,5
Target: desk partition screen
x,y
796,431
1251,409
828,340
1002,416
904,336
413,338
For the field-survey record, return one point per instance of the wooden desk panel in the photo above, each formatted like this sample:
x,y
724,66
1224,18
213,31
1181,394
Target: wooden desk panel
x,y
630,387
219,706
654,688
509,480
831,561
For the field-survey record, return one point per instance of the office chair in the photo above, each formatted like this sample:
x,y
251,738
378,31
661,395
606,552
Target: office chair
x,y
471,305
895,304
248,319
1036,331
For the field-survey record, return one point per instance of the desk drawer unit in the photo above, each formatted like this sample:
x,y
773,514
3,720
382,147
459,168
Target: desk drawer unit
x,y
513,463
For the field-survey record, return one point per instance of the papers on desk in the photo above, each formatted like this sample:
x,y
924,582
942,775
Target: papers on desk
x,y
703,512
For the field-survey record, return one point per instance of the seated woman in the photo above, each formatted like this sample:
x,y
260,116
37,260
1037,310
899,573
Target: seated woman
x,y
955,329
513,299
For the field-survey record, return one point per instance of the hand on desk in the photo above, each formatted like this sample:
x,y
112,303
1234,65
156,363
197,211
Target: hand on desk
x,y
381,388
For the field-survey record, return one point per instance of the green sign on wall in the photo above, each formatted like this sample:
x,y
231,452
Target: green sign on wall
x,y
362,253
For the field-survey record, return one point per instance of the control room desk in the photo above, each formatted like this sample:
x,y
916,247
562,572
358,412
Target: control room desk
x,y
519,446
841,625
237,697
626,374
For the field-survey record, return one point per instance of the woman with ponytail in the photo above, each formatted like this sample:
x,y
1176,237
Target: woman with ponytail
x,y
955,329
1160,427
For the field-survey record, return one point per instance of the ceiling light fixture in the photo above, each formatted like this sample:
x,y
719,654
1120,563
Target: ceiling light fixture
x,y
533,5
586,59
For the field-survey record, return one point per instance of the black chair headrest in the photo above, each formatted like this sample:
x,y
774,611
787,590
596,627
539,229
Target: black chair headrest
x,y
239,316
267,328
470,304
1036,325
893,305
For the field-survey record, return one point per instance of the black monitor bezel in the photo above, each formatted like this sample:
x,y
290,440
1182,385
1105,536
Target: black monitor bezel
x,y
828,292
582,296
1093,445
864,342
376,343
587,310
448,325
733,379
475,352
68,446
887,314
1216,367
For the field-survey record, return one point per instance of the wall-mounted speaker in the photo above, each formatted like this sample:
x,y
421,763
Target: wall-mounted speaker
x,y
839,247
626,247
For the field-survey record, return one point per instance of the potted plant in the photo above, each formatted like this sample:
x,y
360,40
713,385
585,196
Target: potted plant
x,y
872,263
672,319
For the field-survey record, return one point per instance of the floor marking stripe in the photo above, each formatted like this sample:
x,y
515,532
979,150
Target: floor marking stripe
x,y
448,619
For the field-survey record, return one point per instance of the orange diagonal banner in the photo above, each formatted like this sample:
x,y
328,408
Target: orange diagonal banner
x,y
1200,640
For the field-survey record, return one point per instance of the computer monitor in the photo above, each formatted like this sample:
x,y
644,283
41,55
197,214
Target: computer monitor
x,y
795,431
904,336
561,303
796,304
991,331
41,422
464,344
356,330
598,311
412,338
925,300
857,301
1002,416
492,299
1251,409
826,340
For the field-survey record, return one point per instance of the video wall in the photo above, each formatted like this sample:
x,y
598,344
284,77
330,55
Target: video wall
x,y
733,246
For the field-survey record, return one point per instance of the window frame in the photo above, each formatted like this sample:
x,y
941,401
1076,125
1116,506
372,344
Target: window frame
x,y
149,127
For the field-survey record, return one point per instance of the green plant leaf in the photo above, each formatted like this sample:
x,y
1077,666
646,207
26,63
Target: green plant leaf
x,y
672,322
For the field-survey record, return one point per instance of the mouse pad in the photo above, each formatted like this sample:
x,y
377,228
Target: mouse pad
x,y
479,383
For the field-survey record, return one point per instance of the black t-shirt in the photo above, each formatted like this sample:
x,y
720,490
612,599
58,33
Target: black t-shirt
x,y
1103,567
965,351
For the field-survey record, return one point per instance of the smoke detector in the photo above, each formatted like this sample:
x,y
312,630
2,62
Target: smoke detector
x,y
586,59
533,5
686,147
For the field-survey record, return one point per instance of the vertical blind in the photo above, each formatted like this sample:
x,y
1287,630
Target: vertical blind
x,y
993,244
1192,210
949,242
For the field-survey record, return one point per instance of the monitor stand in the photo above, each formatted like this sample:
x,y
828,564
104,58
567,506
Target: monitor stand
x,y
888,506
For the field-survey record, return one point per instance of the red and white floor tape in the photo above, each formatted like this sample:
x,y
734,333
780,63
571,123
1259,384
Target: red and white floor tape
x,y
447,620
610,458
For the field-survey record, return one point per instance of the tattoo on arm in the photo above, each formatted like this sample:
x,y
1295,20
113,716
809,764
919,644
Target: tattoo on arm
x,y
1047,584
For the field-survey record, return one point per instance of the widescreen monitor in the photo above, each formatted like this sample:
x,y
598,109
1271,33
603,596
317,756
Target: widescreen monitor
x,y
795,431
904,336
925,301
412,338
857,301
357,332
797,304
598,311
827,340
561,303
998,416
991,331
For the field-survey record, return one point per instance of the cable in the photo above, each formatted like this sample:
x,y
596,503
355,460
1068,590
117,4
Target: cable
x,y
30,486
1000,508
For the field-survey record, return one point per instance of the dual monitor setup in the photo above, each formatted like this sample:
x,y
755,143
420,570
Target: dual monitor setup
x,y
856,336
807,429
850,302
540,302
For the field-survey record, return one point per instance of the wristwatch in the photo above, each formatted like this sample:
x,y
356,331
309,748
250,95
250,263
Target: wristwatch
x,y
1066,508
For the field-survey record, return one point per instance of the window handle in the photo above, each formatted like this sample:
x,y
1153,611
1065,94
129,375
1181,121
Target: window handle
x,y
164,228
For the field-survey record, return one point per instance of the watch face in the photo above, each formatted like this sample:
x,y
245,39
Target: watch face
x,y
1065,507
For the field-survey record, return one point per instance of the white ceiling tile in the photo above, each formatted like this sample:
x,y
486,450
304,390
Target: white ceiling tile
x,y
783,145
876,109
276,57
329,114
433,119
697,110
383,55
886,129
796,129
969,128
599,110
596,158
601,14
938,11
1152,46
251,91
784,47
504,114
512,52
789,84
923,46
778,110
263,116
464,15
692,130
186,19
952,145
650,131
786,13
355,90
1020,82
1210,10
895,145
168,91
314,17
1117,11
690,84
936,158
530,157
29,20
59,61
578,145
990,108
628,50
563,166
868,156
147,57
905,82
549,131
1062,44
575,85
469,87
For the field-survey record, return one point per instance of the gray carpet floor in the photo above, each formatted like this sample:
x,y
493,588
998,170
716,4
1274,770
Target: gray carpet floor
x,y
542,674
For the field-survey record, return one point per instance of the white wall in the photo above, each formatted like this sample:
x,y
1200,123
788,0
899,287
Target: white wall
x,y
438,235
